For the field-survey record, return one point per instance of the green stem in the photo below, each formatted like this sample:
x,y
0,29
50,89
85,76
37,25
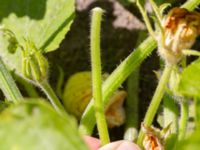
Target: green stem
x,y
146,19
170,113
114,81
191,4
183,119
7,84
132,104
96,75
158,95
46,88
170,121
30,89
120,74
189,52
156,11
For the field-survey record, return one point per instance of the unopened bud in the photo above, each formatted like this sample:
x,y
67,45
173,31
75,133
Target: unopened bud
x,y
10,37
34,65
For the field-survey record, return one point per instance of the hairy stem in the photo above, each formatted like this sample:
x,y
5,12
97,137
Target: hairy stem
x,y
46,88
132,102
7,84
146,19
96,75
132,110
155,102
30,89
114,81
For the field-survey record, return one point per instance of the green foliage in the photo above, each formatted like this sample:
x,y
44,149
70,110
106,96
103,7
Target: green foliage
x,y
43,22
7,84
170,141
190,80
35,125
191,143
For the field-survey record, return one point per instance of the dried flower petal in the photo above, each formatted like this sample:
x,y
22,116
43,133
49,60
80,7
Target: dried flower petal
x,y
152,140
78,93
115,113
181,28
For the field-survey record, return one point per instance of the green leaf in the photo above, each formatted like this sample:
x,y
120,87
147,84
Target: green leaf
x,y
191,143
44,22
190,80
36,126
170,141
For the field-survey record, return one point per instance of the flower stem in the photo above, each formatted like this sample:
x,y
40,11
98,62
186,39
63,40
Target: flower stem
x,y
160,90
114,81
46,88
96,75
132,111
30,89
146,19
183,119
7,84
132,102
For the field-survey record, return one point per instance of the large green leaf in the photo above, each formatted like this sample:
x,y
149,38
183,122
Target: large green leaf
x,y
44,22
36,126
190,80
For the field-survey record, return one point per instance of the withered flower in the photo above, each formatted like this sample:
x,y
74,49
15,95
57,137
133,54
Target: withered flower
x,y
78,93
154,137
115,113
181,28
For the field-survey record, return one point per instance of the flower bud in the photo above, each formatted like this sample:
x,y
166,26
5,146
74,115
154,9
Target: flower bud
x,y
34,64
11,38
181,28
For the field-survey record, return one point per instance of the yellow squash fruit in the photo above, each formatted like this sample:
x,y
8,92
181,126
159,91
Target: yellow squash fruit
x,y
78,93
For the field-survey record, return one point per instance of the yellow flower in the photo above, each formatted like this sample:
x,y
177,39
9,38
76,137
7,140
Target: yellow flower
x,y
181,28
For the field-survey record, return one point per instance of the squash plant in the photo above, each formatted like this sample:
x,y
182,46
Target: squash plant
x,y
130,64
31,28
